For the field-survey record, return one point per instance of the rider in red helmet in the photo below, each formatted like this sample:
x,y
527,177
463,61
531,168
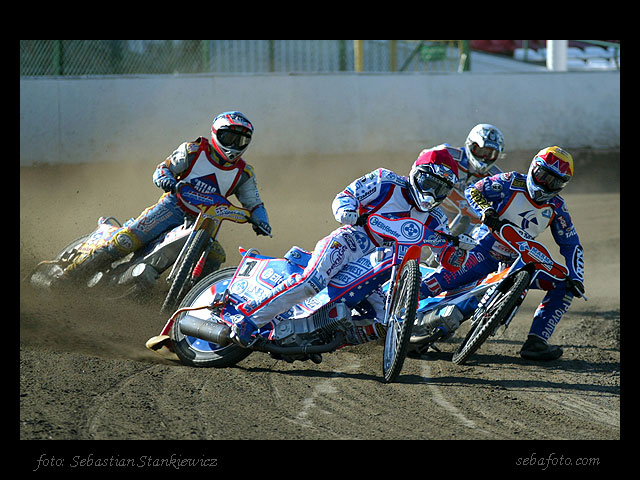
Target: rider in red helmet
x,y
211,167
383,192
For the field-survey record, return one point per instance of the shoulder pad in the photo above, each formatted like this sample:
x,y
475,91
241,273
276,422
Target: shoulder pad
x,y
456,153
518,181
193,147
389,176
248,169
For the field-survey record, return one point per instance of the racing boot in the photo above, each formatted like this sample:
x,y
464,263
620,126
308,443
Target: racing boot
x,y
535,348
243,329
83,268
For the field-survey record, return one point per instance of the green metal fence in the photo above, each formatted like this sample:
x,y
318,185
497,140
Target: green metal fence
x,y
122,57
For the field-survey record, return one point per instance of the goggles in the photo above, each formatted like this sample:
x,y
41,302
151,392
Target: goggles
x,y
427,183
488,154
548,179
236,139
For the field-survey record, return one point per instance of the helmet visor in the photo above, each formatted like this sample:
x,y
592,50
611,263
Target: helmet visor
x,y
429,184
488,154
235,139
547,179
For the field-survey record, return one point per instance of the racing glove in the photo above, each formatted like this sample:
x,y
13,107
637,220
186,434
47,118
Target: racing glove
x,y
261,221
491,219
167,184
575,287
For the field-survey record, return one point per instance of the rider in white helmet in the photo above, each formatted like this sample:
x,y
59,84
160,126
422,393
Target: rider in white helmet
x,y
477,159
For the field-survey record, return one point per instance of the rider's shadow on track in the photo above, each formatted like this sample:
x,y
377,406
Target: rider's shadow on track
x,y
311,373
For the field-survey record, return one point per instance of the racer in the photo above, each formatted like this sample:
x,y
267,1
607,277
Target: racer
x,y
430,180
476,159
531,202
212,167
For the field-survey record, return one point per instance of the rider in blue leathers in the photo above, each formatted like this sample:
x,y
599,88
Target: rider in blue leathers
x,y
381,191
211,167
532,203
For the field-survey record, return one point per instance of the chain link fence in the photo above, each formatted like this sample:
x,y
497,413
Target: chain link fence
x,y
128,57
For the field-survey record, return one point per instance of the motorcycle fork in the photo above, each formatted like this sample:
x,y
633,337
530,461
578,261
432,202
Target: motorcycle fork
x,y
507,321
202,222
211,225
390,295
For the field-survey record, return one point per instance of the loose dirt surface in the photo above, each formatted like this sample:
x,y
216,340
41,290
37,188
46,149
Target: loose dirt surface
x,y
85,373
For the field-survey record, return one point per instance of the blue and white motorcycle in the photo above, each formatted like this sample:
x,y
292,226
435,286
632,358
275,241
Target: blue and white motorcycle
x,y
198,332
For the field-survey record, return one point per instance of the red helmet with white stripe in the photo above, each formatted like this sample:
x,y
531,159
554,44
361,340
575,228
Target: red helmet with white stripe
x,y
432,177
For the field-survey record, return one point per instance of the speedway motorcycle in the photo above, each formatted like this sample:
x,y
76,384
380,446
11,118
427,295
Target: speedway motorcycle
x,y
489,303
184,247
198,332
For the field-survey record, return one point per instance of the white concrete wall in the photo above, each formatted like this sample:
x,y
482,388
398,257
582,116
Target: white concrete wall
x,y
140,117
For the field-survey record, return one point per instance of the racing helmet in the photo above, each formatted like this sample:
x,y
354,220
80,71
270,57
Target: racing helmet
x,y
231,134
432,177
483,146
549,172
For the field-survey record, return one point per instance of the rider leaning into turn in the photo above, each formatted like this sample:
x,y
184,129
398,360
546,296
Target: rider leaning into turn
x,y
215,167
383,192
532,203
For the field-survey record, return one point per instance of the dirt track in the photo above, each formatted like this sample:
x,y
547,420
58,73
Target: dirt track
x,y
85,373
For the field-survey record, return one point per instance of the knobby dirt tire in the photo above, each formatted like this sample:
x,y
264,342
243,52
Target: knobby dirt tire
x,y
504,300
224,356
180,284
404,305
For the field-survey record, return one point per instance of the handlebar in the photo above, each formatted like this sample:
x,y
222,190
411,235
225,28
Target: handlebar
x,y
462,241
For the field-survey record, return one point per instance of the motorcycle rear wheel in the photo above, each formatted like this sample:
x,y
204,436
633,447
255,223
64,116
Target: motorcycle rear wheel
x,y
200,353
505,298
402,316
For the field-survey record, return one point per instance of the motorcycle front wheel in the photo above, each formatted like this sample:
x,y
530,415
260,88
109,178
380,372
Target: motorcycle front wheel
x,y
402,315
489,316
197,352
182,280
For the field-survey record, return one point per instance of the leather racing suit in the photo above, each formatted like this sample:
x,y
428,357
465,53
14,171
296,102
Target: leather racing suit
x,y
382,192
198,163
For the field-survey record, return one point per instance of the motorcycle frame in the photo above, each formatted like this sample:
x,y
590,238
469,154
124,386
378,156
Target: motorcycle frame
x,y
210,217
511,236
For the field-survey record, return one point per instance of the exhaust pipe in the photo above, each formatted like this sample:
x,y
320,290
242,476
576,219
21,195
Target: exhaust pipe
x,y
218,333
206,330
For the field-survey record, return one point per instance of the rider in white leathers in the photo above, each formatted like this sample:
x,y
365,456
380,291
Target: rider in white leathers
x,y
381,191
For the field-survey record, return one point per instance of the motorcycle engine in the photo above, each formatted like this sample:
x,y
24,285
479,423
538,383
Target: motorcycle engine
x,y
314,329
